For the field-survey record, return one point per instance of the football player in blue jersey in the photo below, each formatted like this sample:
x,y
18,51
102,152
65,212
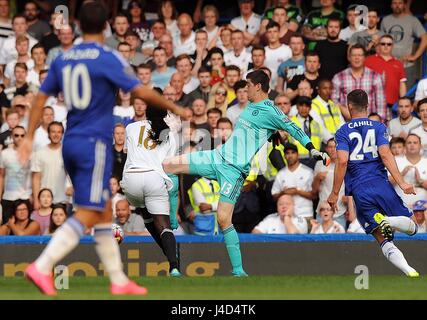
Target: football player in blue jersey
x,y
89,75
363,156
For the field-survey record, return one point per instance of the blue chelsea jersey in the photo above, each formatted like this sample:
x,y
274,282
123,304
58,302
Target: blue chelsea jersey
x,y
361,138
89,75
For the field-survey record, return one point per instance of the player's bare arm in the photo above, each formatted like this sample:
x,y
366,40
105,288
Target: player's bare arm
x,y
339,174
390,163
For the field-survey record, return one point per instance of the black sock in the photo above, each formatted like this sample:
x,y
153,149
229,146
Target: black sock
x,y
169,245
149,224
150,227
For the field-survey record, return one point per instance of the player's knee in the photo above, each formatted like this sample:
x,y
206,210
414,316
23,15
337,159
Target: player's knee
x,y
224,222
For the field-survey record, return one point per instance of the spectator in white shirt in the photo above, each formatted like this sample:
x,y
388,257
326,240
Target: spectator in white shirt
x,y
284,221
38,55
238,56
248,22
184,42
295,180
5,23
352,16
421,92
47,166
328,225
405,122
41,137
8,51
421,129
275,51
21,46
184,67
323,182
168,14
210,16
15,178
123,111
413,168
224,41
420,213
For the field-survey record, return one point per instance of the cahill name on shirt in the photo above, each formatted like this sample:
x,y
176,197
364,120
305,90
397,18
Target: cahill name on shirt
x,y
361,123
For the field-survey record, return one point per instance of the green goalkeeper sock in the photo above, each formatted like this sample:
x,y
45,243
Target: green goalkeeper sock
x,y
173,201
232,244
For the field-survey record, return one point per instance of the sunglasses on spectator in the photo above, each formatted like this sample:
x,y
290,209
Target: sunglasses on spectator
x,y
221,93
388,44
325,209
19,135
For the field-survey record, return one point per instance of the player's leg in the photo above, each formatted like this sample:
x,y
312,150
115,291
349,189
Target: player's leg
x,y
163,228
157,203
393,254
174,201
231,238
149,224
176,165
132,185
231,182
106,246
369,202
397,215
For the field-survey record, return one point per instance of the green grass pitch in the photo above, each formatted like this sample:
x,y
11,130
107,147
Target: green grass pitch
x,y
224,288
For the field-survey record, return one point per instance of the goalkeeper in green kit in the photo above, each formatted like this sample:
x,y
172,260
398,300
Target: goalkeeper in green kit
x,y
229,164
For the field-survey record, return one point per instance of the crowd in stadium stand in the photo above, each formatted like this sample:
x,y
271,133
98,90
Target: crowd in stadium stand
x,y
315,53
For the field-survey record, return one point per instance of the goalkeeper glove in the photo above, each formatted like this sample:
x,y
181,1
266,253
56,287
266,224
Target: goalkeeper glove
x,y
318,155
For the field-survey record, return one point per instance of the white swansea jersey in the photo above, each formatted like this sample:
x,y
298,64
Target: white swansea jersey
x,y
144,154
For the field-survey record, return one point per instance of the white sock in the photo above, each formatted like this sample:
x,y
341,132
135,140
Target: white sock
x,y
403,224
395,256
109,253
63,241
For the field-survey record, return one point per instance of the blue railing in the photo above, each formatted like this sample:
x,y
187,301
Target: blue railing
x,y
5,240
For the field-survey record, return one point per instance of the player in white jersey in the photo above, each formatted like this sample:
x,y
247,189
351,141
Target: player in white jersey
x,y
145,184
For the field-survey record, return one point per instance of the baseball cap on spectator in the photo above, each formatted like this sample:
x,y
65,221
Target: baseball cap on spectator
x,y
304,100
290,146
419,205
244,1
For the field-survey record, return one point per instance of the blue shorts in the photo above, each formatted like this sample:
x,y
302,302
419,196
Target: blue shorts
x,y
88,162
209,164
379,196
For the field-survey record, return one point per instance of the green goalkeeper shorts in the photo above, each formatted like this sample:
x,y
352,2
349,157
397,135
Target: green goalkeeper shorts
x,y
211,165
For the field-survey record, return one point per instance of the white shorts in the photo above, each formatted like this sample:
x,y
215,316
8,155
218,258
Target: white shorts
x,y
146,189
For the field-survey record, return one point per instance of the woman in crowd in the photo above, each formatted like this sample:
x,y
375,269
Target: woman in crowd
x,y
42,215
210,16
326,223
168,14
57,218
20,223
123,111
218,97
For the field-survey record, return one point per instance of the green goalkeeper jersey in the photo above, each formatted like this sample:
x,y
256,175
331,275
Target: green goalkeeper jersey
x,y
256,124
